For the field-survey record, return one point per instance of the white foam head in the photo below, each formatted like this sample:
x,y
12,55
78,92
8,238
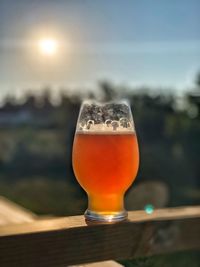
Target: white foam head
x,y
103,128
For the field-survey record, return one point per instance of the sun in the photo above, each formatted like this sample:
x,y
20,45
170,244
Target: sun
x,y
48,46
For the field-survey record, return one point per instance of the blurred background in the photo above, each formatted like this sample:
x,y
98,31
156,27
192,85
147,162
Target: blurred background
x,y
54,54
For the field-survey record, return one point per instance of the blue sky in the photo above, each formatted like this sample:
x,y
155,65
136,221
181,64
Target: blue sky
x,y
136,42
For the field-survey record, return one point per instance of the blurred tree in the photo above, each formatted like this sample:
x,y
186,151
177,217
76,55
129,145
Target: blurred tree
x,y
197,82
193,99
108,92
168,140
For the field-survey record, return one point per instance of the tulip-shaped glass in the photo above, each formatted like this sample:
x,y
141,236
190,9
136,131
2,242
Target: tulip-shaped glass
x,y
105,158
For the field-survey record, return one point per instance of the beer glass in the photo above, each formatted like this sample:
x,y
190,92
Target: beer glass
x,y
105,158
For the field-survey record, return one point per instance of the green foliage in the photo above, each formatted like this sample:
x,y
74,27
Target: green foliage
x,y
180,259
44,196
35,156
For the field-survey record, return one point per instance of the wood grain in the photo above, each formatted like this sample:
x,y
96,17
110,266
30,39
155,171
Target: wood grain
x,y
69,241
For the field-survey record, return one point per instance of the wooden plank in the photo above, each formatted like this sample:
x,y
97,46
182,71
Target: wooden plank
x,y
69,241
11,213
100,264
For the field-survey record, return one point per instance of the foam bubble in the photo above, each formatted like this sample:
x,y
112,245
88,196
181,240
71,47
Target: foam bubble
x,y
103,128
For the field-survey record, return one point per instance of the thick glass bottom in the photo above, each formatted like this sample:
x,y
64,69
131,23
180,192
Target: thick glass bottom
x,y
103,217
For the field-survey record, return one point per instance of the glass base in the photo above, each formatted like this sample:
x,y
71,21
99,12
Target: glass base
x,y
102,217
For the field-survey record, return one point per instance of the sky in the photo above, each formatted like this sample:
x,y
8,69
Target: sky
x,y
153,43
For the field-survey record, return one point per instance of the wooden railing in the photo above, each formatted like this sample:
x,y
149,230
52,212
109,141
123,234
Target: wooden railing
x,y
66,241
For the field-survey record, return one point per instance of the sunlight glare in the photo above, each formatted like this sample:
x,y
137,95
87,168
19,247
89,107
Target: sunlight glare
x,y
48,47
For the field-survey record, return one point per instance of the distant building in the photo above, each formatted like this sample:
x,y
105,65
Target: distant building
x,y
15,118
29,113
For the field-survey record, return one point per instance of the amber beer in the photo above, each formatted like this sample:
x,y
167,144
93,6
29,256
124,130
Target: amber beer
x,y
105,165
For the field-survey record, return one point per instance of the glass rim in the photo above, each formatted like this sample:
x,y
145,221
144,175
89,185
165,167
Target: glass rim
x,y
120,121
102,103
